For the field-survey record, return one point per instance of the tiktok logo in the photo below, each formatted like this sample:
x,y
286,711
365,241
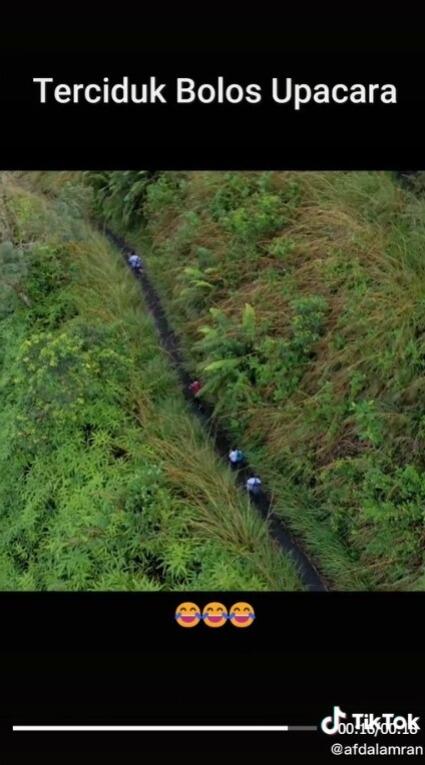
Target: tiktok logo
x,y
369,723
330,725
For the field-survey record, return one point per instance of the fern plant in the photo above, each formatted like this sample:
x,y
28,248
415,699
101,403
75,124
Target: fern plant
x,y
244,365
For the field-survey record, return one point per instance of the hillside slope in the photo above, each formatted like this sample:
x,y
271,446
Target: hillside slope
x,y
107,481
300,299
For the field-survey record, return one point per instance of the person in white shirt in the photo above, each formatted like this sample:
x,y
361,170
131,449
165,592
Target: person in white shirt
x,y
135,262
236,458
253,484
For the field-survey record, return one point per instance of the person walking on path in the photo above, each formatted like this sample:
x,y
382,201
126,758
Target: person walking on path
x,y
135,262
195,387
253,485
236,458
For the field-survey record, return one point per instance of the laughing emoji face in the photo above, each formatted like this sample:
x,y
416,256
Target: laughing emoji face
x,y
188,614
241,614
214,615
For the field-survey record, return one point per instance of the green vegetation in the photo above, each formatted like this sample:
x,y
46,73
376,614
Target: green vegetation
x,y
300,299
107,481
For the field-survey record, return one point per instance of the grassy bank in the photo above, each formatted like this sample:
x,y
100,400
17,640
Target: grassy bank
x,y
106,479
300,301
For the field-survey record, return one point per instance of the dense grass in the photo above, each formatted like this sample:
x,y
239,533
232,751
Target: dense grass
x,y
300,298
106,479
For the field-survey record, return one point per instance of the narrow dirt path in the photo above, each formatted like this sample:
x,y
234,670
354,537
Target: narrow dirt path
x,y
309,574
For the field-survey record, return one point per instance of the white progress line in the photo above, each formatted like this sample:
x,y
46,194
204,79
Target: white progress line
x,y
150,728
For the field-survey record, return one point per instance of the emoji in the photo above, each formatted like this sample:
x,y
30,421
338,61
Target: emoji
x,y
241,614
188,614
214,615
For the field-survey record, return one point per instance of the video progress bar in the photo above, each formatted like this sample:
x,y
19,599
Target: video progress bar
x,y
161,728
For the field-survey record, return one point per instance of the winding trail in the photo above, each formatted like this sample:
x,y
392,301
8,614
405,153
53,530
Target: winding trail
x,y
308,573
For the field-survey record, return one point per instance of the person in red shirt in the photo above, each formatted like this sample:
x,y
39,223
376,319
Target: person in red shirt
x,y
195,387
